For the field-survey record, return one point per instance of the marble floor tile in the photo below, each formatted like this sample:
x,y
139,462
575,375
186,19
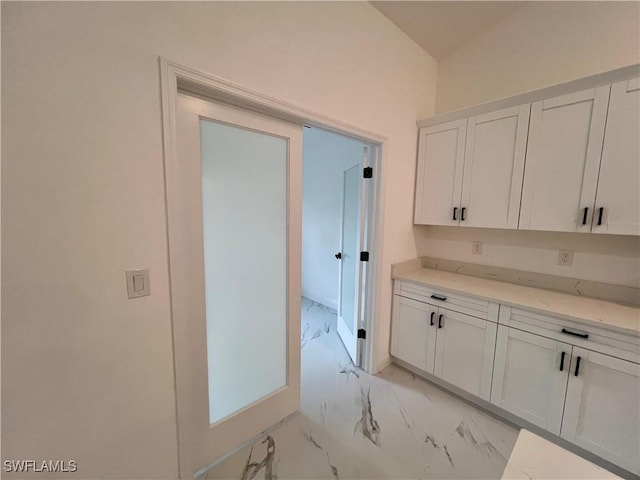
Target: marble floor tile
x,y
352,425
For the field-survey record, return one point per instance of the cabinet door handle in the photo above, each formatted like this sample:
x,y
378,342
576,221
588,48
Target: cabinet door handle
x,y
577,366
455,213
432,314
584,215
440,321
562,361
600,215
581,335
462,214
439,297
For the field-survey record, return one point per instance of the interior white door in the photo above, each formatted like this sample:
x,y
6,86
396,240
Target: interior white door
x,y
602,409
617,208
234,204
530,377
349,302
493,168
562,161
439,176
464,351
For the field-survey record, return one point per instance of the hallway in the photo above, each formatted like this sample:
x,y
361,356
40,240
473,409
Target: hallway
x,y
352,425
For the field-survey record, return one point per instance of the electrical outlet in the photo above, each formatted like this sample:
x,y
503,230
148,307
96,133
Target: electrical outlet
x,y
565,258
476,248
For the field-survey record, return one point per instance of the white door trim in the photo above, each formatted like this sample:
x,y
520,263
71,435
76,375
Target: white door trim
x,y
174,77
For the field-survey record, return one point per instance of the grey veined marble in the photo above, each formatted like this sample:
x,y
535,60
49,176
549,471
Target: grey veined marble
x,y
353,425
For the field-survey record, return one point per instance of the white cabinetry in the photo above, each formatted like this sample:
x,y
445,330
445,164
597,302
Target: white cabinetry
x,y
530,377
563,158
439,177
470,170
452,345
617,206
602,409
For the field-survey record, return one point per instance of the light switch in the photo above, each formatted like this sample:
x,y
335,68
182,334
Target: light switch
x,y
138,283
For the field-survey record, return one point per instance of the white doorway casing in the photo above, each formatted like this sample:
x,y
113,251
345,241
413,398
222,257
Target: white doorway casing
x,y
175,77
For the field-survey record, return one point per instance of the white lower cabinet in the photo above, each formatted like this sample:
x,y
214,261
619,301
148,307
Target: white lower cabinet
x,y
453,346
602,409
530,377
586,397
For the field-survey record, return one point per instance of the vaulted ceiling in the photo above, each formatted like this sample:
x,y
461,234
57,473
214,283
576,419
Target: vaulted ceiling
x,y
441,27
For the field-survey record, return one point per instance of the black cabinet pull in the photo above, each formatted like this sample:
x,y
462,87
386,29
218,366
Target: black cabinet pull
x,y
440,321
432,314
584,216
455,212
462,214
600,215
439,297
581,335
562,361
577,366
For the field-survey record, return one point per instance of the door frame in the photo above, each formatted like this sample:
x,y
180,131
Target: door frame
x,y
175,77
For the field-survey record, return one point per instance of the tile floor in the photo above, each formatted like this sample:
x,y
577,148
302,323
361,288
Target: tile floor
x,y
352,425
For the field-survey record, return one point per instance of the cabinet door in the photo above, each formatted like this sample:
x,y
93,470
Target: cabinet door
x,y
413,338
493,168
563,158
530,377
439,176
619,181
602,409
464,351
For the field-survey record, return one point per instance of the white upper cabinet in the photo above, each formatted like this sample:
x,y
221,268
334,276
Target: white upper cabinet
x,y
562,162
617,206
439,176
493,168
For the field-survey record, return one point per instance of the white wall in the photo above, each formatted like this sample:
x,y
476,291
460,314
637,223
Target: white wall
x,y
541,44
86,373
326,157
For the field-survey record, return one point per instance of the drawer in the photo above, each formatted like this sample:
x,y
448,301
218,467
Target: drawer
x,y
621,345
447,299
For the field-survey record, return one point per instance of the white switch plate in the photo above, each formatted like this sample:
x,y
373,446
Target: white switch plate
x,y
565,258
476,248
138,283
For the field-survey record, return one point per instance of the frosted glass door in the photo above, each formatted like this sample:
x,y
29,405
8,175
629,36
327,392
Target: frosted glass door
x,y
244,219
350,262
234,201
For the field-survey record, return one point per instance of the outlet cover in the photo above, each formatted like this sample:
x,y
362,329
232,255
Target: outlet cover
x,y
476,248
565,258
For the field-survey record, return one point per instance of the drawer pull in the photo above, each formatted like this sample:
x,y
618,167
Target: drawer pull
x,y
432,314
577,366
439,297
581,335
562,361
440,321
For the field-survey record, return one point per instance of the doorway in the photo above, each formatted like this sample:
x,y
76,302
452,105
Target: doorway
x,y
337,192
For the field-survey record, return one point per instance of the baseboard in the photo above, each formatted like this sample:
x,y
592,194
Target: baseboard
x,y
326,301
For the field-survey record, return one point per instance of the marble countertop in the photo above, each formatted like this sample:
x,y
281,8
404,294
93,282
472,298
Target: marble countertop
x,y
533,458
610,315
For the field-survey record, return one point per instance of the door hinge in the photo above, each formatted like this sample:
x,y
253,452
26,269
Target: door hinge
x,y
364,256
362,333
367,172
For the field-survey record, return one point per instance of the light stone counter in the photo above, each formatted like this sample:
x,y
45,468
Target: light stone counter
x,y
534,458
601,313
